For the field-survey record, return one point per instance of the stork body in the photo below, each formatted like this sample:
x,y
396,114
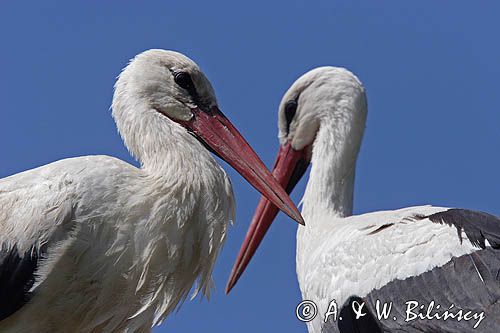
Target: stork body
x,y
420,254
93,244
102,267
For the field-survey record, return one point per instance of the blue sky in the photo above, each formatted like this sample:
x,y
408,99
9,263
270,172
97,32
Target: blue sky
x,y
431,71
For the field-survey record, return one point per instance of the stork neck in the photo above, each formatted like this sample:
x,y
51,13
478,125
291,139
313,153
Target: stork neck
x,y
168,148
330,188
171,151
161,146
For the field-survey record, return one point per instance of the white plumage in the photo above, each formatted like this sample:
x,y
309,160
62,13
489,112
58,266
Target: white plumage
x,y
110,268
93,244
321,120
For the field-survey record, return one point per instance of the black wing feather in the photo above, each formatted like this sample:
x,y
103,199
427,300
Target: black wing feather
x,y
468,282
17,275
478,226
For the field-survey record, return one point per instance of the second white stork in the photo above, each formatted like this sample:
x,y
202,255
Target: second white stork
x,y
426,260
93,244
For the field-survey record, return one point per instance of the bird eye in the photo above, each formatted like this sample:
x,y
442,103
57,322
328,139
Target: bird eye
x,y
183,79
290,109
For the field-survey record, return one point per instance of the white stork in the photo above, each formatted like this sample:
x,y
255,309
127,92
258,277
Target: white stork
x,y
423,254
93,244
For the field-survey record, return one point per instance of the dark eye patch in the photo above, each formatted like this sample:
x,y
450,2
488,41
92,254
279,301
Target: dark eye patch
x,y
290,110
183,79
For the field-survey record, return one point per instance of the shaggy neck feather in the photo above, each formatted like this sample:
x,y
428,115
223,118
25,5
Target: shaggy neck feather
x,y
161,146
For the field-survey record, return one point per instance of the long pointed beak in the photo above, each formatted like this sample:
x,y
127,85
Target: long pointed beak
x,y
289,167
216,131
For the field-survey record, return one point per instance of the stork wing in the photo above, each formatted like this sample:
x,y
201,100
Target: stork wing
x,y
465,288
36,213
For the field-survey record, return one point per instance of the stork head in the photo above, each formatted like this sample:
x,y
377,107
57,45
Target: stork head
x,y
327,104
167,82
162,99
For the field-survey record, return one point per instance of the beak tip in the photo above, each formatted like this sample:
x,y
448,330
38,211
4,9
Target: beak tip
x,y
298,218
229,286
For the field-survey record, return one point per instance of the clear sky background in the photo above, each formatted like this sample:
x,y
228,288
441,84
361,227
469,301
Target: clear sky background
x,y
431,70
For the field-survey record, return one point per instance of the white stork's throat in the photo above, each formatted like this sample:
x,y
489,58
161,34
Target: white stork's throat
x,y
331,181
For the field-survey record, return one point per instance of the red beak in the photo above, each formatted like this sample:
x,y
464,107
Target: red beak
x,y
217,133
289,167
